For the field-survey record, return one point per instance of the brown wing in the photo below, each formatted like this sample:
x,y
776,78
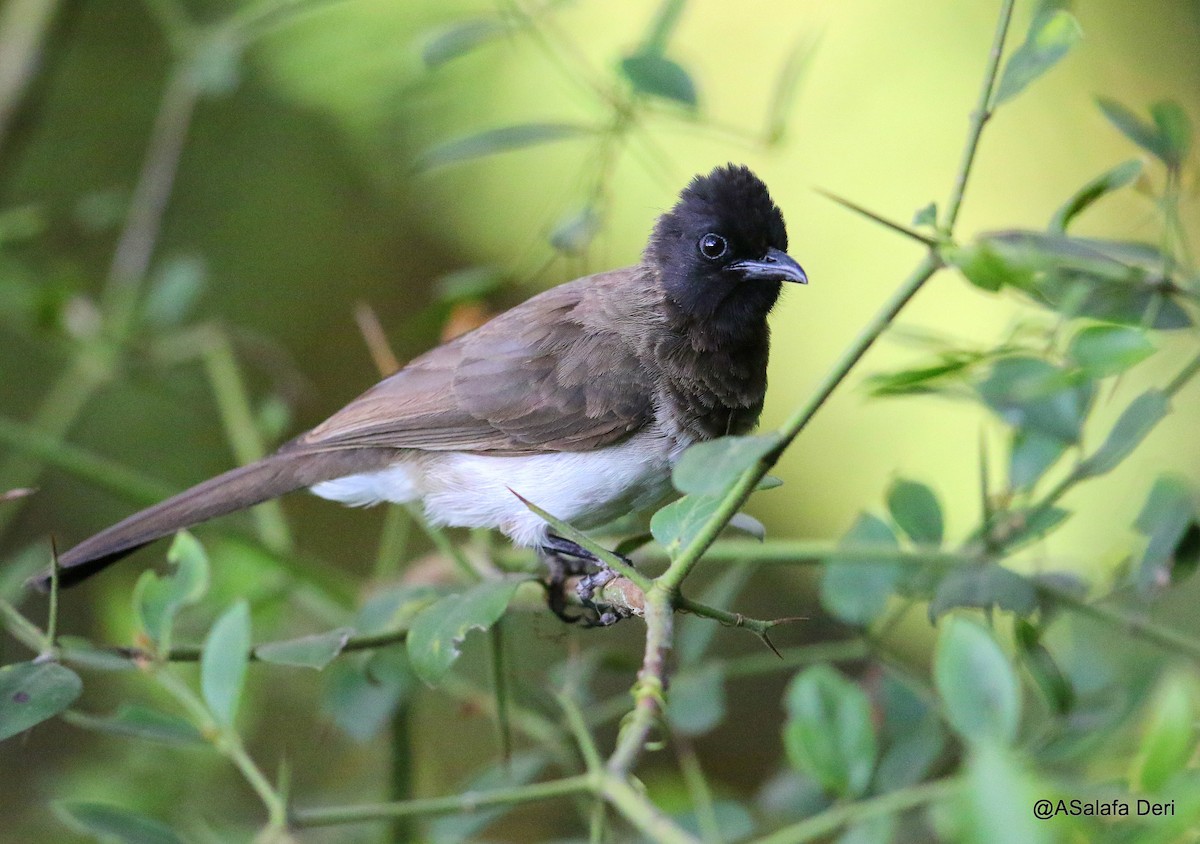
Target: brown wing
x,y
540,377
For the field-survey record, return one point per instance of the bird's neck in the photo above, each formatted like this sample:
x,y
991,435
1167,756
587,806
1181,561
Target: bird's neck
x,y
715,372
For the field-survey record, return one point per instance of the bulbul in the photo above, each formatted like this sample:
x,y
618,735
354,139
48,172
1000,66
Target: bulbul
x,y
580,399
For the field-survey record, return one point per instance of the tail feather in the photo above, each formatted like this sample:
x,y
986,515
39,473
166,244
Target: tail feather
x,y
234,490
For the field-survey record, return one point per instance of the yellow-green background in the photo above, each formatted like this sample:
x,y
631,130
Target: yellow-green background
x,y
297,191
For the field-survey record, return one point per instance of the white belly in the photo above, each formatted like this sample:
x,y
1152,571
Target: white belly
x,y
472,490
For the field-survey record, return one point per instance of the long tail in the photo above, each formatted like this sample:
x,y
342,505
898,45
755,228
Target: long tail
x,y
234,490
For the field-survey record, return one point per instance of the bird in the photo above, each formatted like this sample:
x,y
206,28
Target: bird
x,y
580,399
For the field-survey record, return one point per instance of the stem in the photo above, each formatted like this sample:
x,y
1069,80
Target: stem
x,y
233,403
824,823
107,474
640,812
393,542
60,407
466,802
682,566
500,690
651,683
228,742
979,117
135,247
401,786
24,25
698,790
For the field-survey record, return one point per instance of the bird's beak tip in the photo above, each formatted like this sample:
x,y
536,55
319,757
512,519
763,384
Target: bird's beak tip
x,y
776,265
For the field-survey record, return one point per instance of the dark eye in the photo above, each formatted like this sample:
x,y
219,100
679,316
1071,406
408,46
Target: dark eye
x,y
713,246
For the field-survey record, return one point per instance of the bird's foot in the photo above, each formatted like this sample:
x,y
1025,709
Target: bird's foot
x,y
565,559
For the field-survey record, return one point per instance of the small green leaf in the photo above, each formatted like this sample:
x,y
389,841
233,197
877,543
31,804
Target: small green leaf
x,y
829,733
364,691
470,283
696,704
1146,135
677,524
1054,685
81,652
521,769
575,232
137,721
1032,454
657,76
1175,130
314,651
984,587
437,633
1051,36
159,599
710,468
460,38
915,508
1118,177
976,682
31,693
926,215
983,266
1134,425
1103,350
1030,524
911,755
1167,514
857,591
174,291
223,661
1031,393
111,824
1169,737
999,798
493,141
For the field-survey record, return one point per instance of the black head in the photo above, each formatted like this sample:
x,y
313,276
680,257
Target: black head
x,y
721,251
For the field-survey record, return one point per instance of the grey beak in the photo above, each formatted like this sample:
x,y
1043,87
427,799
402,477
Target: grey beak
x,y
776,265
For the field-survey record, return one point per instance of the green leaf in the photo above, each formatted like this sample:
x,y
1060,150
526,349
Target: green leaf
x,y
460,38
159,599
493,141
696,704
948,370
81,652
915,508
136,721
999,798
1051,36
575,232
829,733
926,215
1134,425
1031,393
912,730
1030,524
1167,514
31,693
1169,737
676,525
1103,350
984,587
977,684
521,769
857,592
710,468
223,662
1146,135
1118,177
364,691
986,268
437,633
1175,130
1032,454
1054,685
657,76
315,651
110,823
469,283
174,291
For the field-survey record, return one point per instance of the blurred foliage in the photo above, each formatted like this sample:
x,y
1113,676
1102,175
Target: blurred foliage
x,y
193,193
